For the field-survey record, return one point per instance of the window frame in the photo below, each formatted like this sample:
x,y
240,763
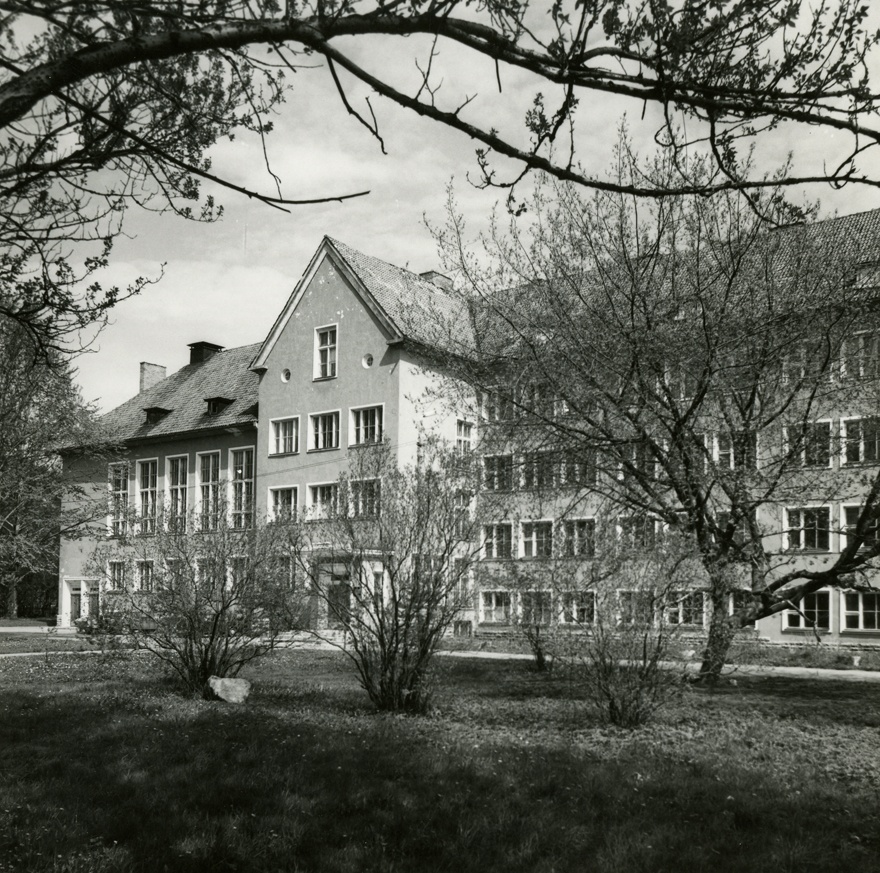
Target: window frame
x,y
789,614
212,514
242,505
570,608
506,610
545,525
274,451
176,520
845,441
802,454
845,527
354,426
116,580
117,516
846,612
494,527
314,417
332,360
787,540
496,477
144,580
272,503
147,522
539,470
590,539
311,503
362,504
464,436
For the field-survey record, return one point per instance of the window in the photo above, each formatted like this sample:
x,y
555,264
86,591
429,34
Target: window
x,y
537,539
809,529
812,446
815,612
239,567
495,607
807,360
861,440
851,519
216,405
285,436
861,610
177,491
536,398
365,498
148,472
283,502
497,406
498,472
498,540
462,582
461,510
686,608
637,460
325,430
742,600
737,451
209,491
323,499
242,488
580,538
579,468
861,356
325,341
681,381
536,607
463,436
427,570
538,470
635,607
116,573
638,531
579,607
366,425
145,575
118,476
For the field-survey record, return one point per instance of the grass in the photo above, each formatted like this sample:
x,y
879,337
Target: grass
x,y
104,767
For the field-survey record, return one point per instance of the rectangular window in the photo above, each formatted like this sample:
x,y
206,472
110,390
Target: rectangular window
x,y
685,608
536,607
283,502
463,436
116,572
367,425
807,360
323,499
635,607
580,538
242,488
537,539
325,339
638,531
812,446
145,575
538,470
861,439
495,607
325,430
741,600
178,469
239,567
861,356
497,406
498,540
209,491
118,481
809,529
462,510
579,607
737,451
850,521
861,610
637,461
579,468
681,381
285,436
148,475
498,472
365,496
815,612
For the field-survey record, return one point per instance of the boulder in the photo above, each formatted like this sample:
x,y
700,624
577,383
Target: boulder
x,y
230,690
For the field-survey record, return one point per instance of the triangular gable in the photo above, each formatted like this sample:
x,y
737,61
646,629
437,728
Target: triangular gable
x,y
324,251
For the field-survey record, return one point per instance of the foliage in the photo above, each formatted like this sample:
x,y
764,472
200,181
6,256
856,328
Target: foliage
x,y
391,564
203,602
109,104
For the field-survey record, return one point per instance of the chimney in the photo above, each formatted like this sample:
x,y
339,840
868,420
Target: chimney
x,y
202,351
151,374
437,279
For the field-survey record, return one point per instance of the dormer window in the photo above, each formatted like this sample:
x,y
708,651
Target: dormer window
x,y
155,414
216,405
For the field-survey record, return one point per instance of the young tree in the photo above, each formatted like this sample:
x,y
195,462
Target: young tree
x,y
204,603
111,103
695,359
391,563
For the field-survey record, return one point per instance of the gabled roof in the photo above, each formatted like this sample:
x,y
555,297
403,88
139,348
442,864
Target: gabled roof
x,y
224,374
408,306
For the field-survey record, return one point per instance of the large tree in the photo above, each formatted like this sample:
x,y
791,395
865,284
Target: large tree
x,y
696,369
110,103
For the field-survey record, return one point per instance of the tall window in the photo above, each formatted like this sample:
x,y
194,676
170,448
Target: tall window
x,y
326,340
498,540
498,472
816,450
580,538
285,436
242,488
283,504
148,472
861,437
177,485
118,476
538,470
462,514
365,498
815,612
209,491
116,572
463,436
537,539
323,500
861,610
145,575
367,425
809,528
325,430
861,356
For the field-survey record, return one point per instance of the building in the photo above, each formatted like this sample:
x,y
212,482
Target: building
x,y
355,357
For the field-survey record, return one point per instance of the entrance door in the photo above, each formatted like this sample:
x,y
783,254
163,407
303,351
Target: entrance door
x,y
338,601
75,606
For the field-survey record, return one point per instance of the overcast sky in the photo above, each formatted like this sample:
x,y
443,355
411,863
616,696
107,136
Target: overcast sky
x,y
226,282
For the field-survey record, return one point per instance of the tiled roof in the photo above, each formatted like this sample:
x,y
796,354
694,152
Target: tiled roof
x,y
224,374
419,309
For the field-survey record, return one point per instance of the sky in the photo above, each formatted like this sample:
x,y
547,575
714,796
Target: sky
x,y
226,282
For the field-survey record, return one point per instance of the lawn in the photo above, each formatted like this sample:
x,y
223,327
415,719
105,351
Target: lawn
x,y
104,767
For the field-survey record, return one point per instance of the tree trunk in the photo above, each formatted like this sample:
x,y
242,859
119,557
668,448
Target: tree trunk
x,y
721,634
12,597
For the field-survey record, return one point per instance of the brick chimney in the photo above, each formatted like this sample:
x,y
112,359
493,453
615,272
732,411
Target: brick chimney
x,y
437,279
202,351
151,374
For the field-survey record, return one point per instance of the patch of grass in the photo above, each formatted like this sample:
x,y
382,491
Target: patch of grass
x,y
11,643
105,768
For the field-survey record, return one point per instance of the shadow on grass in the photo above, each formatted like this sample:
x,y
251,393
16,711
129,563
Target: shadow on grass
x,y
109,776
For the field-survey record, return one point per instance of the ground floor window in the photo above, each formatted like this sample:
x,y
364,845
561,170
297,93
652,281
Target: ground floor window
x,y
815,612
495,607
537,607
861,610
579,607
685,608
